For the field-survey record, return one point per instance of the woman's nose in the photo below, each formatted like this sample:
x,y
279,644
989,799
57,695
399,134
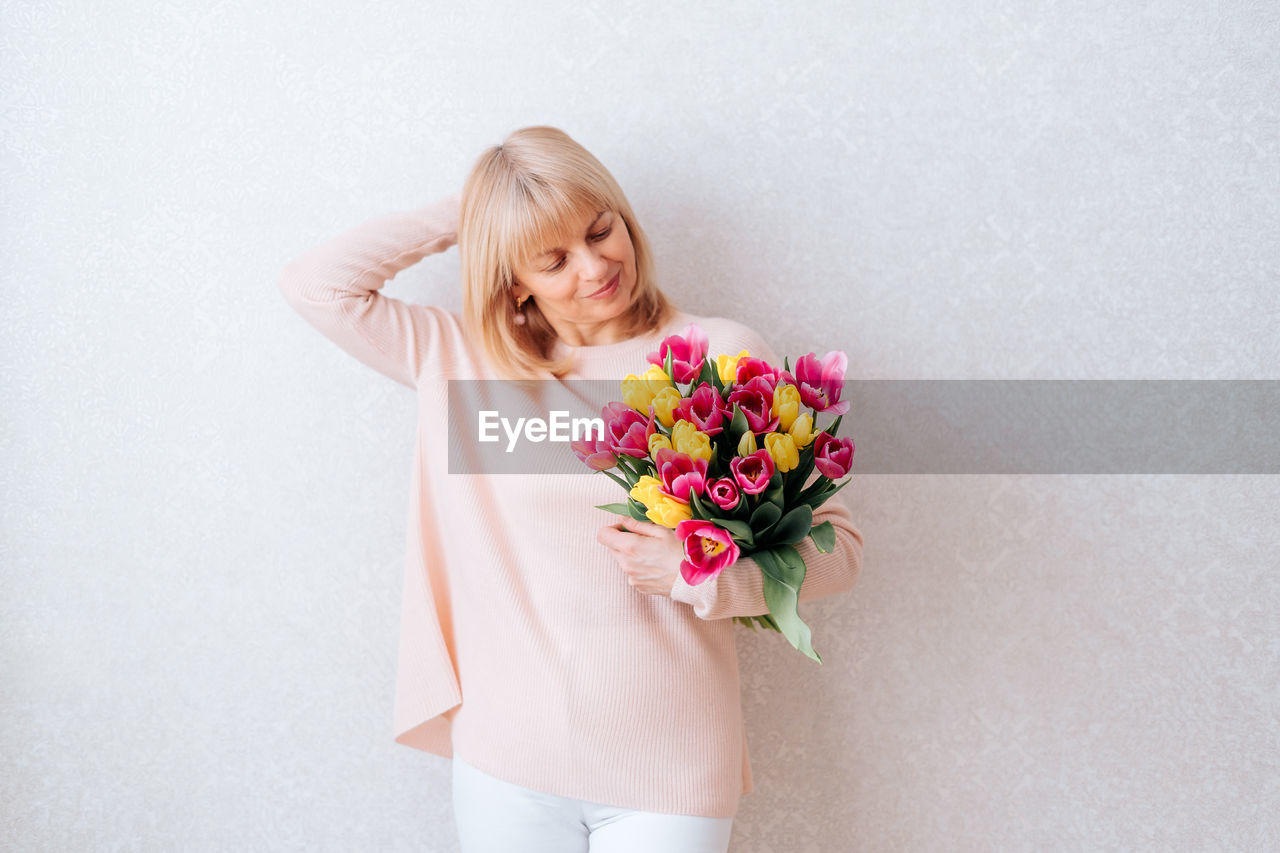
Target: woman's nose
x,y
593,266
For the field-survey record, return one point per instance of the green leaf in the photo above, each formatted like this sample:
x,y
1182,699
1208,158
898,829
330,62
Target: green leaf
x,y
618,480
668,367
737,426
784,571
627,465
765,620
620,509
818,499
739,529
713,465
637,510
696,506
706,374
797,476
793,527
786,363
835,425
824,537
773,493
765,516
716,381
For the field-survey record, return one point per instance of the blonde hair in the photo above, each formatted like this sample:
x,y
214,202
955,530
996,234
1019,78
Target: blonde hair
x,y
518,199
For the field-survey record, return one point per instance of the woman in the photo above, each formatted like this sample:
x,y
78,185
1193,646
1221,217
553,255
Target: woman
x,y
587,695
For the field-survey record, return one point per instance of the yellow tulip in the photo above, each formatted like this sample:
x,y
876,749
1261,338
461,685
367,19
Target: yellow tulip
x,y
747,444
782,448
786,405
802,430
727,366
638,391
688,439
664,405
657,441
669,512
647,490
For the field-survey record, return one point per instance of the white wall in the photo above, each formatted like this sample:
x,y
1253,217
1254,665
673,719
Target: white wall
x,y
203,500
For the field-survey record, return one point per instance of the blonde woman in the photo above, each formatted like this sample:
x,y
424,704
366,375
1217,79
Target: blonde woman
x,y
587,696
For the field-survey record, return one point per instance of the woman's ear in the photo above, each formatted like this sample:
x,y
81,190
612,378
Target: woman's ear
x,y
518,289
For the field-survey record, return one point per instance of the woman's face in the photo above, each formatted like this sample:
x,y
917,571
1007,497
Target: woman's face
x,y
585,284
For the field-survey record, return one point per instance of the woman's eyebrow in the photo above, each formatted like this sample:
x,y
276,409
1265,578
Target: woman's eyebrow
x,y
559,249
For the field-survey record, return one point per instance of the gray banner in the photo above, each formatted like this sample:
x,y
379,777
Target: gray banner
x,y
931,426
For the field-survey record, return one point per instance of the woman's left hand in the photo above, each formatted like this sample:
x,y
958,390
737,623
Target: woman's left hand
x,y
650,554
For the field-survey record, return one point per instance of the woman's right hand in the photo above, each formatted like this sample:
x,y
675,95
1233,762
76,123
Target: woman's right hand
x,y
336,287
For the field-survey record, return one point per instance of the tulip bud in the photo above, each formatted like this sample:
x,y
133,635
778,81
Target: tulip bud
x,y
664,405
727,366
782,448
638,391
802,430
668,512
689,440
657,442
647,490
786,405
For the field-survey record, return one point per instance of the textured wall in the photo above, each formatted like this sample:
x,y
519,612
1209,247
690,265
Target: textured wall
x,y
203,501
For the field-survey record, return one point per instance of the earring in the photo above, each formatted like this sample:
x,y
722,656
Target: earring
x,y
520,319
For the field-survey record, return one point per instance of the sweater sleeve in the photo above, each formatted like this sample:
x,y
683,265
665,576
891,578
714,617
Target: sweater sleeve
x,y
335,287
739,589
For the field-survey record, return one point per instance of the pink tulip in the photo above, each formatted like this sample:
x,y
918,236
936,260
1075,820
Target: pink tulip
x,y
687,353
821,381
704,409
594,452
753,472
681,474
626,430
833,457
708,550
752,368
755,398
724,493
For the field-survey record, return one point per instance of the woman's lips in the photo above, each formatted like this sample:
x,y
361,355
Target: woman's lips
x,y
608,288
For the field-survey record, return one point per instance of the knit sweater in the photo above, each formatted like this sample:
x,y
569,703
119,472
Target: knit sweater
x,y
523,648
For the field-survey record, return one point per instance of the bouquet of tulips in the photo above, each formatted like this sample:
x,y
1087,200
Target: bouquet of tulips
x,y
721,452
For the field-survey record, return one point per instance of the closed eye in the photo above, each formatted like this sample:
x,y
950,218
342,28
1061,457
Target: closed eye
x,y
596,237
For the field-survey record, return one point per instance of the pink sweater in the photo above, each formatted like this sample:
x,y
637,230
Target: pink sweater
x,y
522,646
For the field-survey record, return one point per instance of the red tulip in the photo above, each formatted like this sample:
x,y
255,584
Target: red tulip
x,y
708,550
755,399
704,409
594,452
626,430
681,474
753,472
753,368
687,353
724,493
820,382
832,456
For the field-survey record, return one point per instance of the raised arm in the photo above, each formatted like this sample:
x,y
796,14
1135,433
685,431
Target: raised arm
x,y
739,589
335,287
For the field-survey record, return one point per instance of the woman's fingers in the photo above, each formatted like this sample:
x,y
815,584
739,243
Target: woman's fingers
x,y
613,538
646,528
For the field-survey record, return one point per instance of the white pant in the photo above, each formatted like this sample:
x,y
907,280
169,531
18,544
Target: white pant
x,y
494,816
